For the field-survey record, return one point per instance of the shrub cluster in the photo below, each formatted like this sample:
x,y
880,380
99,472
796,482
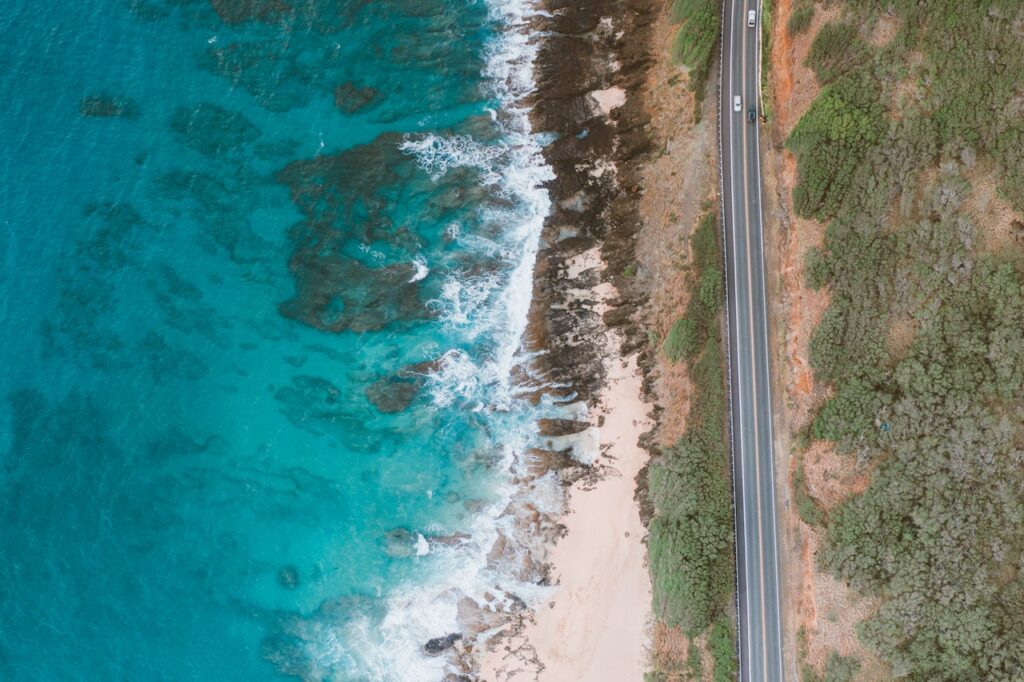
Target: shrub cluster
x,y
800,19
939,533
695,41
689,333
836,50
690,545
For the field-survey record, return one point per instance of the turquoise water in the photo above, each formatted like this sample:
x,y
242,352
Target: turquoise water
x,y
265,268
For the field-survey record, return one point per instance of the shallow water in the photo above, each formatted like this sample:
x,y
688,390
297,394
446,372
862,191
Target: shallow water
x,y
266,266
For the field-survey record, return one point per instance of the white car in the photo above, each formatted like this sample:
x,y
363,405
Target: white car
x,y
751,18
737,103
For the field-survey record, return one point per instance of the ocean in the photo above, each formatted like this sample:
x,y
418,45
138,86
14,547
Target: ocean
x,y
266,269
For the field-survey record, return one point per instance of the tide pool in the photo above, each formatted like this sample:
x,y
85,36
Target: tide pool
x,y
265,270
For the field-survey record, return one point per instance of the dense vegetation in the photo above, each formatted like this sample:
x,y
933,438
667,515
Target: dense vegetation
x,y
923,344
800,19
695,41
690,545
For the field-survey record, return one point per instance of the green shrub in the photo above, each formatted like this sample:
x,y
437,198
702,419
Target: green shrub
x,y
836,50
830,141
721,641
683,10
690,536
806,507
840,668
690,542
817,269
709,291
706,252
800,20
849,416
681,342
938,532
694,662
695,41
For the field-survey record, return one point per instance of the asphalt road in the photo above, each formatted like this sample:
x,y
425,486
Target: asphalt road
x,y
760,629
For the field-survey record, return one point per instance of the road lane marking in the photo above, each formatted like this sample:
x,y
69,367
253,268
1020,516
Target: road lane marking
x,y
738,442
764,309
754,369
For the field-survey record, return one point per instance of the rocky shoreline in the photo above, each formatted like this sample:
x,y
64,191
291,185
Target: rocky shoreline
x,y
590,77
592,58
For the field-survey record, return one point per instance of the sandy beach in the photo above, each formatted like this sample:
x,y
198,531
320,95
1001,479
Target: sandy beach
x,y
597,625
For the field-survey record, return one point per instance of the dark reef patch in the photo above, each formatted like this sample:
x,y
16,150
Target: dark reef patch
x,y
320,407
295,50
211,129
166,361
350,98
108,106
370,197
394,393
213,202
288,577
238,11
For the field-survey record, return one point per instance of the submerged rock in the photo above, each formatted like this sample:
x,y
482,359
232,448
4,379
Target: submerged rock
x,y
211,129
288,577
438,645
402,543
474,619
561,427
349,98
540,462
393,394
108,106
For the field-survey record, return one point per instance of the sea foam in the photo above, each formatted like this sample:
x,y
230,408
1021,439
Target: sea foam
x,y
493,307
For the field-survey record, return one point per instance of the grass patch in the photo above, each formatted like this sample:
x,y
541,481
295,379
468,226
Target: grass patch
x,y
767,14
836,50
681,342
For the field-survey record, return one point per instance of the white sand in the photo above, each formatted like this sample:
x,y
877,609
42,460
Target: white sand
x,y
609,99
597,626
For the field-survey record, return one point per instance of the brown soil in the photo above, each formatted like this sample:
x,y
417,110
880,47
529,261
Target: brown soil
x,y
794,84
908,92
832,478
676,180
884,30
824,608
670,646
1004,227
902,331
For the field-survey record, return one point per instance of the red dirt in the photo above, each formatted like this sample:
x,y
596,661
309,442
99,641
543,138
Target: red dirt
x,y
825,609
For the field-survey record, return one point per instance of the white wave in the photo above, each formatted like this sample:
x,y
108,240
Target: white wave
x,y
437,154
422,546
420,263
493,307
463,302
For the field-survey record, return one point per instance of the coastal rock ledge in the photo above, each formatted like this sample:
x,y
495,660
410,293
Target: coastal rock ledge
x,y
590,74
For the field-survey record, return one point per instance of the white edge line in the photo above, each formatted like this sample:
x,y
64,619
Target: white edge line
x,y
734,445
764,307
